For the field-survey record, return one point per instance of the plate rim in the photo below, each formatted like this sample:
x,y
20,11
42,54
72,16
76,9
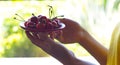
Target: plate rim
x,y
35,30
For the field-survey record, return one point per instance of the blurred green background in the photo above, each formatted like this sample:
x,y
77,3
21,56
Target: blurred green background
x,y
98,17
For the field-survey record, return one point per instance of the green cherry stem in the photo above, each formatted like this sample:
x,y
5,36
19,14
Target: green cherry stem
x,y
20,17
51,12
17,19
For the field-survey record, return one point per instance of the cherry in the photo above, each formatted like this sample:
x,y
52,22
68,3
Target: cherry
x,y
31,24
39,16
40,26
41,23
42,19
34,19
49,25
48,20
54,23
26,24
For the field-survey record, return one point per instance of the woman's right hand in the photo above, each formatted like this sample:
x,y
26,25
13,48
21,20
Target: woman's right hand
x,y
72,33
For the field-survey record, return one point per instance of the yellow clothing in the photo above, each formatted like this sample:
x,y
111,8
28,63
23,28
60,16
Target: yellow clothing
x,y
114,51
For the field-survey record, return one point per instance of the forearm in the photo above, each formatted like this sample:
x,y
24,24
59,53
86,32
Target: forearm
x,y
94,48
58,51
62,54
51,47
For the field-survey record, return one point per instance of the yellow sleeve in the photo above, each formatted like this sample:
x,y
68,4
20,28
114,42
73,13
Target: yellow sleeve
x,y
114,50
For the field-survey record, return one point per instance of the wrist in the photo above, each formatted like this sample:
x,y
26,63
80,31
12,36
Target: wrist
x,y
83,36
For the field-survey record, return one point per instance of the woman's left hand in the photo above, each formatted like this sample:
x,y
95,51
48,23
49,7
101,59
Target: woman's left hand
x,y
40,39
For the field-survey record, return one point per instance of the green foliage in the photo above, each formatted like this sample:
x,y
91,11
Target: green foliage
x,y
16,43
116,4
105,4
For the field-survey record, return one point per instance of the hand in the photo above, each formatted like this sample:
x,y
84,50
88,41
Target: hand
x,y
39,39
72,33
56,50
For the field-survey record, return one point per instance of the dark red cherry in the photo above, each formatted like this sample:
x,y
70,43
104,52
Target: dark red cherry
x,y
39,16
49,25
31,24
34,19
40,26
43,19
55,24
26,24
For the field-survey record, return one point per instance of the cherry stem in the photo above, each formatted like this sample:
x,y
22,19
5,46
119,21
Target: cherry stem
x,y
50,11
60,16
17,19
33,14
20,17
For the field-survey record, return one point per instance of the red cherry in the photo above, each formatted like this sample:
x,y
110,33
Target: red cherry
x,y
43,19
49,21
39,15
40,26
26,24
55,25
58,21
31,24
49,25
34,19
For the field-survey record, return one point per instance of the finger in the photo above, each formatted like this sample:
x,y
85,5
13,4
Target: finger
x,y
43,36
29,35
51,35
35,35
68,22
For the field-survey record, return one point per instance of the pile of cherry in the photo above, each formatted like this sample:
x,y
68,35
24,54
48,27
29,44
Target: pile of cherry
x,y
43,24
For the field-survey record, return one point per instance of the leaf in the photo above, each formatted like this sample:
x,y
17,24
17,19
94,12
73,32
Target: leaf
x,y
116,5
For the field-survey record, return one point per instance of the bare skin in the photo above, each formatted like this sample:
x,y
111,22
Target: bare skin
x,y
79,35
82,37
55,49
